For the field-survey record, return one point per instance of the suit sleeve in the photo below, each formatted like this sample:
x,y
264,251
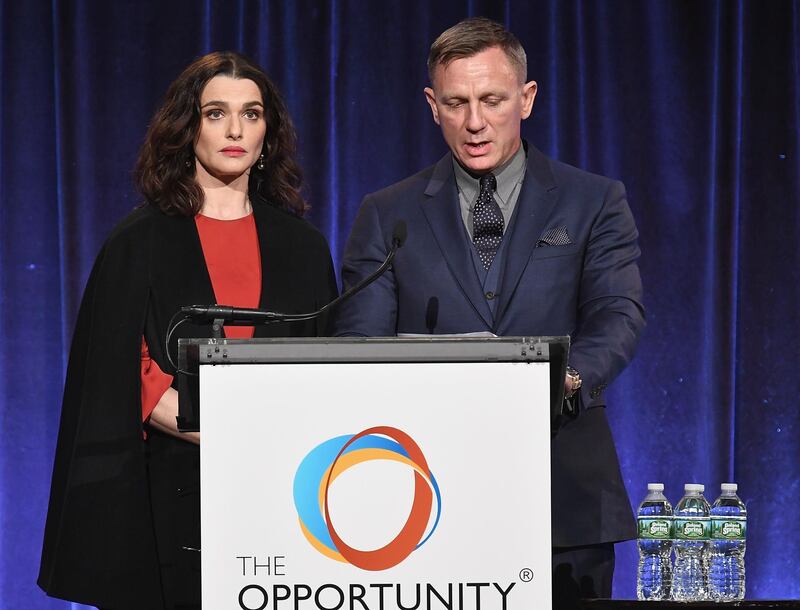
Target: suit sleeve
x,y
610,311
373,311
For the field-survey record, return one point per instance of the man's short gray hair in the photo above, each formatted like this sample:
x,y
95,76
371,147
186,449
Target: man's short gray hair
x,y
472,36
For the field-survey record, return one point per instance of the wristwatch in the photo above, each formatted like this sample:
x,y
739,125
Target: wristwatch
x,y
575,377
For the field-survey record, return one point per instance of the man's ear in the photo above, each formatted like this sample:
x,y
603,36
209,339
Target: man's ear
x,y
528,96
429,95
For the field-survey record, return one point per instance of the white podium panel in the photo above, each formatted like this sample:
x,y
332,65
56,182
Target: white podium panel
x,y
371,486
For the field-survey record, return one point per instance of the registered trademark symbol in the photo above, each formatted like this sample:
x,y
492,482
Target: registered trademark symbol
x,y
526,575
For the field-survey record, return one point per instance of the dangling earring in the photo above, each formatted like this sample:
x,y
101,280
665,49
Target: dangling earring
x,y
188,162
260,165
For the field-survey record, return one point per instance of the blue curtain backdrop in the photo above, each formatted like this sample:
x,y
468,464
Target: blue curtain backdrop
x,y
694,105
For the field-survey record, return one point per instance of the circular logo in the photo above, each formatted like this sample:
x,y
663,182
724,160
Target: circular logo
x,y
330,459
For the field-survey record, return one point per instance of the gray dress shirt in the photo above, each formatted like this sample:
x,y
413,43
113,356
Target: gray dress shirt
x,y
509,178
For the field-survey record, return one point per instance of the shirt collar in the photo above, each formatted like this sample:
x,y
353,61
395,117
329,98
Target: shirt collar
x,y
507,176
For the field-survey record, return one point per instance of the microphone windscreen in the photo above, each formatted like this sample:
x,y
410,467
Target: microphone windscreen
x,y
432,315
399,233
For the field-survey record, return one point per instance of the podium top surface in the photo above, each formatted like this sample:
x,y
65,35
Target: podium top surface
x,y
195,353
373,349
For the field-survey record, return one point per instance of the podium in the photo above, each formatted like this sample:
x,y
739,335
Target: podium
x,y
374,473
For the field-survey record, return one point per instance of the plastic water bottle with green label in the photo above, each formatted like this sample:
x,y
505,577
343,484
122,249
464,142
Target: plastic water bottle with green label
x,y
692,526
726,557
654,575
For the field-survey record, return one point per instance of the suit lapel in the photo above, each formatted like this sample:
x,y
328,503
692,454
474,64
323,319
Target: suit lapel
x,y
536,201
443,213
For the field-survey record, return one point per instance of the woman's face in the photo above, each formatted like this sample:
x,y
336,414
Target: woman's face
x,y
232,129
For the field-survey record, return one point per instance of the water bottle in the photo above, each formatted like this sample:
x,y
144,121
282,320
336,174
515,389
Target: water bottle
x,y
692,527
726,557
654,576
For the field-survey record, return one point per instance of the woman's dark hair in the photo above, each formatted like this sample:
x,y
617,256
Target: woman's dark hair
x,y
165,169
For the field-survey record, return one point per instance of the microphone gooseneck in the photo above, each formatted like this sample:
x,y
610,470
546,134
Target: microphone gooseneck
x,y
241,316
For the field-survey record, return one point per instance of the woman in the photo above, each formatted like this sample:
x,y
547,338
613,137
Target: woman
x,y
221,223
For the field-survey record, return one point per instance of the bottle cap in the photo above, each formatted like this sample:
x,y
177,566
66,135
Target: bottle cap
x,y
729,487
694,487
655,487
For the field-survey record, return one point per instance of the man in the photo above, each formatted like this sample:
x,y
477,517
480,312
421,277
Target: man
x,y
505,240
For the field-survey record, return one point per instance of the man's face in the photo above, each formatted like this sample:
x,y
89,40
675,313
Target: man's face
x,y
479,102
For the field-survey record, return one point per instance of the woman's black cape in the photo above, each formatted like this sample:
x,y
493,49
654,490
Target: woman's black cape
x,y
99,543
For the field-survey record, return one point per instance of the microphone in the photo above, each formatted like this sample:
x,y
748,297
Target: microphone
x,y
234,316
241,316
432,314
399,234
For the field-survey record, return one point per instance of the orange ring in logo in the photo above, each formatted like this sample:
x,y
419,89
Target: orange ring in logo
x,y
413,530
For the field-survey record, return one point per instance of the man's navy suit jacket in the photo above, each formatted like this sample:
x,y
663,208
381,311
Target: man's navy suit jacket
x,y
589,289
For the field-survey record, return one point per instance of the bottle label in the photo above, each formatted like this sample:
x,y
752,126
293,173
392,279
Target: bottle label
x,y
692,528
655,528
729,528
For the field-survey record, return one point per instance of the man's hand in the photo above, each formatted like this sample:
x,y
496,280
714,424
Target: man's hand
x,y
572,382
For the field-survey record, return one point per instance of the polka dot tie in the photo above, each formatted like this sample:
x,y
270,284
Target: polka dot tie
x,y
487,222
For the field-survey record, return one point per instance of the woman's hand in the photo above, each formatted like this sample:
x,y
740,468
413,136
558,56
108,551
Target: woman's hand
x,y
163,418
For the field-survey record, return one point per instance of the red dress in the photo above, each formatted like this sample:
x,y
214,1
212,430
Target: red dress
x,y
233,260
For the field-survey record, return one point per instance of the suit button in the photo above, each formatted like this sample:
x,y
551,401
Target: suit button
x,y
490,295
